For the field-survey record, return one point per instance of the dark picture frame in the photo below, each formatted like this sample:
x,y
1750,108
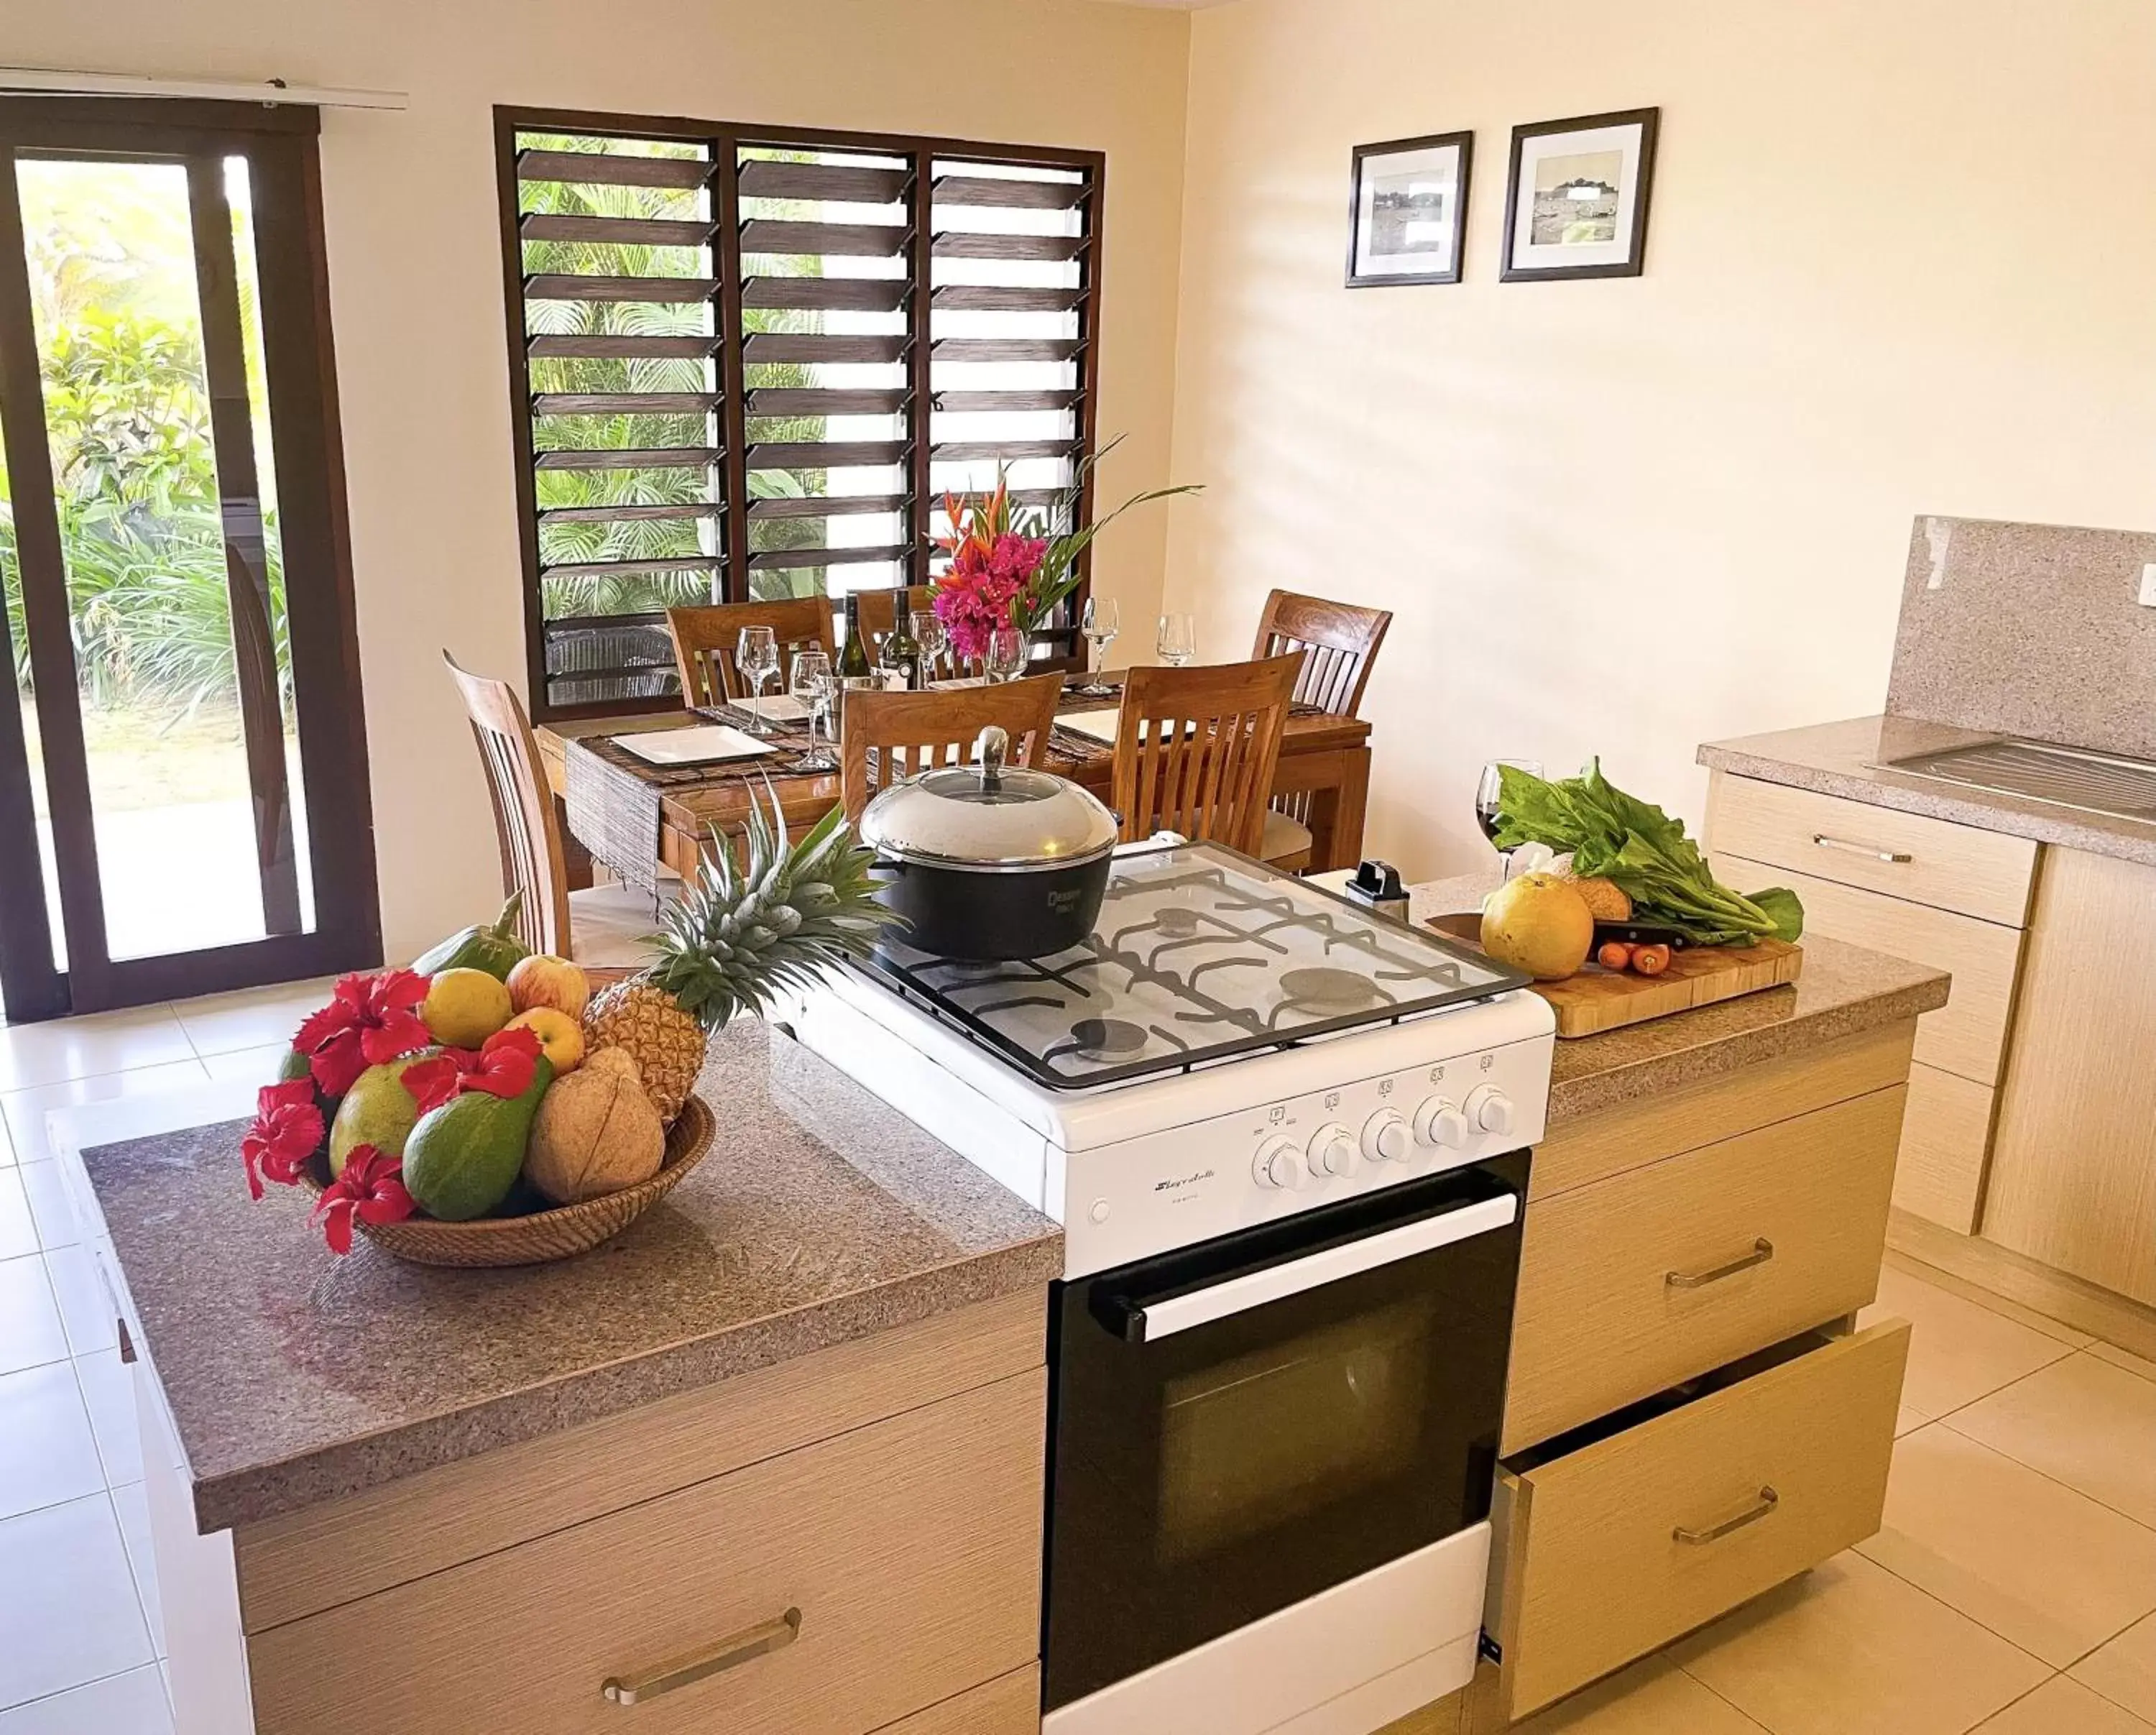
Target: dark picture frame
x,y
1361,172
1616,197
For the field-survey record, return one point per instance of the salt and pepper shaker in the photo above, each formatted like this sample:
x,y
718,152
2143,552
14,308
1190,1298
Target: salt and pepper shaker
x,y
1377,886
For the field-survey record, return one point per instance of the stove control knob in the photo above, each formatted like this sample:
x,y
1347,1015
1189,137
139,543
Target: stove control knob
x,y
1387,1139
1438,1121
1334,1152
1279,1163
1490,1108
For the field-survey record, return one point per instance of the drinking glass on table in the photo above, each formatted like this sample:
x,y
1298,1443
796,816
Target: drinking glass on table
x,y
933,638
1489,801
1100,623
1006,653
1176,641
811,683
756,655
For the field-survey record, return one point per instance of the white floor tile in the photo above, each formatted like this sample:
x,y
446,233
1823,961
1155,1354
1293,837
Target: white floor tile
x,y
83,1047
30,1330
47,1453
130,1704
132,1503
250,1018
68,1608
86,1310
255,1065
25,1109
108,1393
49,1209
18,1229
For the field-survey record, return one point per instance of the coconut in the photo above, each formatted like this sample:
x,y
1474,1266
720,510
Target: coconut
x,y
596,1132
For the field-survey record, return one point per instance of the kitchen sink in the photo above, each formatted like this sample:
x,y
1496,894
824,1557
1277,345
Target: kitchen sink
x,y
2039,771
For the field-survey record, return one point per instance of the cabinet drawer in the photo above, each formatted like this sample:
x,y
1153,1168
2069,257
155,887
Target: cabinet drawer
x,y
1967,1036
910,1548
1930,861
1619,1545
1657,1275
1945,1134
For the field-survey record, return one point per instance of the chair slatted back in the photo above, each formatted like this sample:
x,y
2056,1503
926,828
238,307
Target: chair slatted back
x,y
705,640
532,858
1196,749
878,610
938,728
1342,638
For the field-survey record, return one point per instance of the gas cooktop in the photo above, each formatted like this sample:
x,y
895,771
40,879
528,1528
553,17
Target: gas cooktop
x,y
1200,955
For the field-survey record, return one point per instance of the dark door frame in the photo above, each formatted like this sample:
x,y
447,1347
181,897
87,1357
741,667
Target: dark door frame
x,y
279,144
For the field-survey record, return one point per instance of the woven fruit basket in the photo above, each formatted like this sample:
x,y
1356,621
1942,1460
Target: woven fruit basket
x,y
537,1236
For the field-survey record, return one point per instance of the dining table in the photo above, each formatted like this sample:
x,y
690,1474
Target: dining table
x,y
637,818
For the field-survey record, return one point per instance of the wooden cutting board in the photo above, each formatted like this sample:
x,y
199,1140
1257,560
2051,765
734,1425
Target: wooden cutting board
x,y
1597,1000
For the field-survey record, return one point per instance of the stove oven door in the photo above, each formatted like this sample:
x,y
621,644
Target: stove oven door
x,y
1243,1424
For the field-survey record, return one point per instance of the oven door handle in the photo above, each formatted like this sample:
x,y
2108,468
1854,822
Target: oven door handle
x,y
1272,1283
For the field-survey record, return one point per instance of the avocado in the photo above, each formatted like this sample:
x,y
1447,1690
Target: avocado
x,y
495,950
463,1159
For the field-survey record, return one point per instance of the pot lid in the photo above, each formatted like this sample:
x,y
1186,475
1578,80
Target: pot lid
x,y
987,815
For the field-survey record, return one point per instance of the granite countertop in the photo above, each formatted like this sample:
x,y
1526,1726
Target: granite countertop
x,y
1844,989
295,1377
1844,758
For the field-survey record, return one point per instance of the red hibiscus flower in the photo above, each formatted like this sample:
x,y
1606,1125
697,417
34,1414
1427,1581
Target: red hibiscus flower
x,y
372,1019
501,1066
371,1188
432,1081
287,1130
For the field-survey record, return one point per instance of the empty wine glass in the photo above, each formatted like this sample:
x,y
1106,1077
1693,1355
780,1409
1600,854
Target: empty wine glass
x,y
1489,801
811,683
1006,653
930,634
756,655
1099,623
1176,641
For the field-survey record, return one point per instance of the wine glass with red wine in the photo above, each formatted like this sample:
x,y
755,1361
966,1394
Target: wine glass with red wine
x,y
1489,800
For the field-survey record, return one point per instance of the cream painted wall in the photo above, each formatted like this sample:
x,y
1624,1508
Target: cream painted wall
x,y
1901,260
415,276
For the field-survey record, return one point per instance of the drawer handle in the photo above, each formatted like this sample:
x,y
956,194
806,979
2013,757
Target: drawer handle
x,y
1762,1250
1766,1503
686,1670
1873,850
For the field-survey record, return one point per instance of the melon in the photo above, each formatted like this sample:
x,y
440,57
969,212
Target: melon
x,y
1540,924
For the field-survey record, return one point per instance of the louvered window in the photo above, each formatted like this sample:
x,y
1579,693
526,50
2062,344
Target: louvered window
x,y
750,365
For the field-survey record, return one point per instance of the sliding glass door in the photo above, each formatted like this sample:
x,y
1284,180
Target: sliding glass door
x,y
183,796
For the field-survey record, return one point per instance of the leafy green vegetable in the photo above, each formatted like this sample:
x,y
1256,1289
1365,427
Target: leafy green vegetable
x,y
1644,852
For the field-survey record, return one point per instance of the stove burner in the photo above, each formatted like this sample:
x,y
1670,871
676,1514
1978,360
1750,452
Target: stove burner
x,y
1176,921
1329,990
1097,1039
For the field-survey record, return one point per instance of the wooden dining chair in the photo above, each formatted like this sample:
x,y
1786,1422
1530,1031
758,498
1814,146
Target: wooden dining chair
x,y
1196,748
705,639
878,610
938,728
1342,641
601,926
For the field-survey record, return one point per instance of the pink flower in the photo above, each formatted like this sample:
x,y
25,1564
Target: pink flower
x,y
287,1130
371,1188
372,1019
501,1066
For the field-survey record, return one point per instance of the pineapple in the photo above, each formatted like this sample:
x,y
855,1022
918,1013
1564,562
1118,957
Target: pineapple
x,y
733,939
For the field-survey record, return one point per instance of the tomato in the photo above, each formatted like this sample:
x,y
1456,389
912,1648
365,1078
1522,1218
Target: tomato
x,y
1614,955
1651,960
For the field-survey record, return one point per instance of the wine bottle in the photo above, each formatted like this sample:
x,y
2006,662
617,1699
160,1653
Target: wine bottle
x,y
900,656
854,654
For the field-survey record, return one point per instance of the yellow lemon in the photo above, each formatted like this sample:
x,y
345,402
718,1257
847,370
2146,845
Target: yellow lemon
x,y
561,1037
465,1007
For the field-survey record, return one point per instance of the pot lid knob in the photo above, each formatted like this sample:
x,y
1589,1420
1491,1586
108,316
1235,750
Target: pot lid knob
x,y
990,748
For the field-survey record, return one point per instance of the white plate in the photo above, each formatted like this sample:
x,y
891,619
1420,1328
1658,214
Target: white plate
x,y
1100,725
779,708
694,746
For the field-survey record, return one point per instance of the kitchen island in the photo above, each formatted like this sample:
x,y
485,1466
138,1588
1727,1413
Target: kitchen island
x,y
798,1408
1690,1417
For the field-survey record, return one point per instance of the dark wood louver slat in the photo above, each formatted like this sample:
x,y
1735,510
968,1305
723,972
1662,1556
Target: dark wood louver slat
x,y
627,347
1025,195
852,240
591,168
966,245
614,231
825,505
612,568
761,179
967,451
629,514
631,458
825,454
622,403
1005,349
760,347
970,401
995,298
855,295
824,401
779,558
591,286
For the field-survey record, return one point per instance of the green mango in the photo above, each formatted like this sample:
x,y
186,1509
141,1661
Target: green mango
x,y
376,1110
463,1159
495,950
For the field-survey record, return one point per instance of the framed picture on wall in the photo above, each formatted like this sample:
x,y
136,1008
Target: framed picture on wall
x,y
1576,200
1407,210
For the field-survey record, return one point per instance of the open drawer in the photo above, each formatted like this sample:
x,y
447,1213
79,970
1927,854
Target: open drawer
x,y
1619,1536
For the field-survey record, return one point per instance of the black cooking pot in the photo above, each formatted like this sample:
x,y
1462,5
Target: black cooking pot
x,y
989,862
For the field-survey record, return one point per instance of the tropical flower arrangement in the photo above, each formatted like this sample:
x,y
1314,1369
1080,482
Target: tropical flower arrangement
x,y
1007,570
